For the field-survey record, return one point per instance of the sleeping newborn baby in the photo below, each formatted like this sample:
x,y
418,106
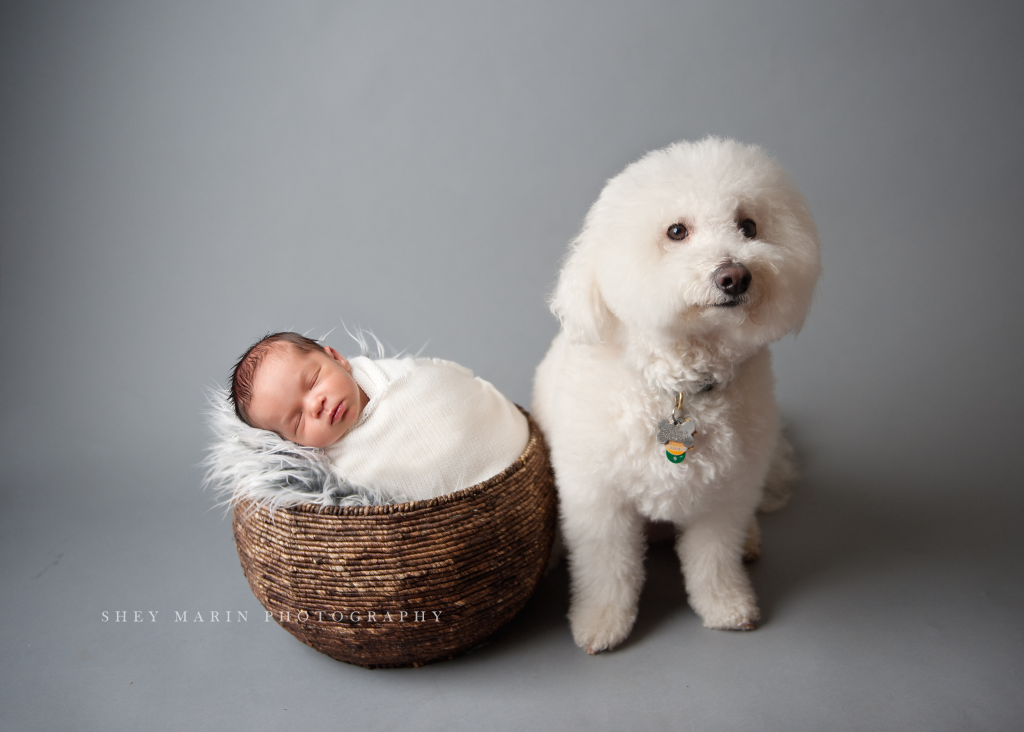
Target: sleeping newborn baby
x,y
408,428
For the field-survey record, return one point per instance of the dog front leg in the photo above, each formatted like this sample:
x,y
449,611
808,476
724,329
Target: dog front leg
x,y
711,552
605,539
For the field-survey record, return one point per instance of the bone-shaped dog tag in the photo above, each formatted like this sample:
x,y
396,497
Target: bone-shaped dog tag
x,y
677,437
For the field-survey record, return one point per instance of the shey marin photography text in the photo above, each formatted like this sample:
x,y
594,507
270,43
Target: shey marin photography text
x,y
353,617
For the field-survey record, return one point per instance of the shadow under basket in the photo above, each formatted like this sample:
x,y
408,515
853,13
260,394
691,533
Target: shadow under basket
x,y
409,583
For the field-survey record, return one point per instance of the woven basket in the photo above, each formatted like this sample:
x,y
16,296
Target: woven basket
x,y
404,584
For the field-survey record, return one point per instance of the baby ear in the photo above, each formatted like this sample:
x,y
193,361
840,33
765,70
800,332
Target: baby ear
x,y
577,302
337,357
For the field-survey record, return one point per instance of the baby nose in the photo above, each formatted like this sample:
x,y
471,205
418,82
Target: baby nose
x,y
315,404
733,279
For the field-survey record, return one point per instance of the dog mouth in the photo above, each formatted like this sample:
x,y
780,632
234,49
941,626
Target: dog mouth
x,y
730,303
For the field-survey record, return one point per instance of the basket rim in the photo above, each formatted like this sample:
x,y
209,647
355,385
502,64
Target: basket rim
x,y
532,445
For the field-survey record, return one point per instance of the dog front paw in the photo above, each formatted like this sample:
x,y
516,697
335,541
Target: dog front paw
x,y
600,628
738,615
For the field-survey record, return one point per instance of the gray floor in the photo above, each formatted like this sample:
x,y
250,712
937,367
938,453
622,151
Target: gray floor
x,y
177,179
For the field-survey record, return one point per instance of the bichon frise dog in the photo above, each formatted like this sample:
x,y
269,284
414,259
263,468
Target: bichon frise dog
x,y
656,397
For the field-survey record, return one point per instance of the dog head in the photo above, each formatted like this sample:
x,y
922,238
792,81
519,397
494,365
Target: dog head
x,y
705,239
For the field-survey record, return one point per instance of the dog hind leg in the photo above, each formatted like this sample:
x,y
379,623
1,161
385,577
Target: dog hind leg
x,y
782,473
752,545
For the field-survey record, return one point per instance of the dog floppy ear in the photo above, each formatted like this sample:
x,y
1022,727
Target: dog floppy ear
x,y
577,302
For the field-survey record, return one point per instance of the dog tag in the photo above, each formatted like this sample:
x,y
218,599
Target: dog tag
x,y
677,437
675,452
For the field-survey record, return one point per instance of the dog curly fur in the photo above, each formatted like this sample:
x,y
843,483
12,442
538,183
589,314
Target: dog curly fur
x,y
642,319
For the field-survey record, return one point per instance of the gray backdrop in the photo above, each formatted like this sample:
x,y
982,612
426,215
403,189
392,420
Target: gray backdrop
x,y
176,179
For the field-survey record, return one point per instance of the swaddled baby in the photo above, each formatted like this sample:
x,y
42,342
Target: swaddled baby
x,y
410,428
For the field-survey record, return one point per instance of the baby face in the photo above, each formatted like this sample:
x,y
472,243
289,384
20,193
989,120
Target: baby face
x,y
308,398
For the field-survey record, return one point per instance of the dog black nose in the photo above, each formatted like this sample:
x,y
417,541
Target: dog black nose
x,y
733,279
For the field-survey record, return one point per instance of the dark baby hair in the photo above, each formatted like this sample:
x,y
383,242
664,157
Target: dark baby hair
x,y
244,372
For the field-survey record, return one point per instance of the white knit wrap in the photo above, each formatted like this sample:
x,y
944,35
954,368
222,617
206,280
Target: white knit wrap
x,y
430,428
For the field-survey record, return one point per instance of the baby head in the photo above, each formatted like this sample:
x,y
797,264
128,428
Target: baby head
x,y
291,385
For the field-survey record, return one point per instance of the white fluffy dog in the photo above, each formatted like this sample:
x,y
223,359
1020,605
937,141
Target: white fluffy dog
x,y
690,263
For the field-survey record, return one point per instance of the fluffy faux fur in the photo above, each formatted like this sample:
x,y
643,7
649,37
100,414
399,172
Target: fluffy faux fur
x,y
644,315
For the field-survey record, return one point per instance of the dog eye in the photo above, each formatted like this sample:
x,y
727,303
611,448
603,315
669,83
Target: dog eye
x,y
677,232
749,228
